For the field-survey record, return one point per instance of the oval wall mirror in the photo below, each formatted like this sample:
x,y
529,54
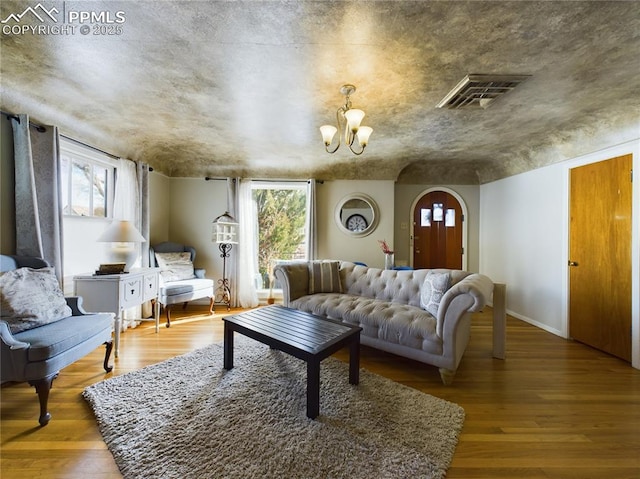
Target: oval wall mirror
x,y
357,215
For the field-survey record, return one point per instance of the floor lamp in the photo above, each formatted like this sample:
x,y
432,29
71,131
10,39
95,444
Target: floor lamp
x,y
225,234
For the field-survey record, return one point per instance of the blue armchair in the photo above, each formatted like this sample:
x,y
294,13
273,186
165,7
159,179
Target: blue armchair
x,y
37,355
174,291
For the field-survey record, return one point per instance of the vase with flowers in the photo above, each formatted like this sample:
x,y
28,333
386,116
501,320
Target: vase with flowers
x,y
389,259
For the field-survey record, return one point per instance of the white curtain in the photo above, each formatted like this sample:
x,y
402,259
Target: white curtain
x,y
126,198
126,206
232,260
37,192
142,177
311,225
247,254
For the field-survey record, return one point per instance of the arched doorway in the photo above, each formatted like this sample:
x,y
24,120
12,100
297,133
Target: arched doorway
x,y
439,232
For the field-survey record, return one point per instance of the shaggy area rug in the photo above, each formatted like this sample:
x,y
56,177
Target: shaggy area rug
x,y
189,418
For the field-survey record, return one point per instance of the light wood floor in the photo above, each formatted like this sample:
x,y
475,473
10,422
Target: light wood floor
x,y
552,409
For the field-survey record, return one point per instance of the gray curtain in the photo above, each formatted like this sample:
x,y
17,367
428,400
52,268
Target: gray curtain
x,y
37,192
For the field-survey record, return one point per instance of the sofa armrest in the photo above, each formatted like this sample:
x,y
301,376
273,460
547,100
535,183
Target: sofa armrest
x,y
479,289
294,278
8,339
199,272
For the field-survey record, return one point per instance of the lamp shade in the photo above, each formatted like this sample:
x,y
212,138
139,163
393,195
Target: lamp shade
x,y
364,132
121,232
328,131
354,117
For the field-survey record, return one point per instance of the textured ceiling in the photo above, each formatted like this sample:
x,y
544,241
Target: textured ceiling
x,y
240,88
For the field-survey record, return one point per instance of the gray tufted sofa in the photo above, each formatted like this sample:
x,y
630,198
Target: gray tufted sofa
x,y
386,304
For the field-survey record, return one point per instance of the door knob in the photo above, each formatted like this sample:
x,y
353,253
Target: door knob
x,y
573,263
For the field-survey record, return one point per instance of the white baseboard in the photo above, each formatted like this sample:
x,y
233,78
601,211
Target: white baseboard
x,y
535,323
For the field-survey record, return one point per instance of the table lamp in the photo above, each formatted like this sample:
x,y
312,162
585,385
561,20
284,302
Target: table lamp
x,y
123,237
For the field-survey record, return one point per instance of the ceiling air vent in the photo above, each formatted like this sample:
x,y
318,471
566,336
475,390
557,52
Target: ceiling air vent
x,y
479,91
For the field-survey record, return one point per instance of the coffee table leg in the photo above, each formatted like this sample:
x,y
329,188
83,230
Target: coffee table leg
x,y
228,346
313,389
354,361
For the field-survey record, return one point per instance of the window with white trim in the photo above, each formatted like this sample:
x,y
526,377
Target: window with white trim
x,y
280,216
87,181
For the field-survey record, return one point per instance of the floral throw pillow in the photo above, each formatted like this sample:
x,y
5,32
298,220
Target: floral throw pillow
x,y
30,298
175,266
433,289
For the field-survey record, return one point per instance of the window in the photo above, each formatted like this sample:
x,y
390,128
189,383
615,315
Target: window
x,y
281,217
425,217
438,211
450,218
87,181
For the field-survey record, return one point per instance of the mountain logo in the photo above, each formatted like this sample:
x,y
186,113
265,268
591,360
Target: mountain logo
x,y
38,11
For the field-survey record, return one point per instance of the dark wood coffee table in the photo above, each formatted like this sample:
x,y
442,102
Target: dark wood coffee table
x,y
302,335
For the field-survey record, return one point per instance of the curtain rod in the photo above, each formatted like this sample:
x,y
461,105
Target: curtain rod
x,y
89,146
42,129
276,180
38,127
210,178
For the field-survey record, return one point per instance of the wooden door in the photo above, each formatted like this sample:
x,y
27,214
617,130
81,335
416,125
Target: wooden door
x,y
437,231
600,256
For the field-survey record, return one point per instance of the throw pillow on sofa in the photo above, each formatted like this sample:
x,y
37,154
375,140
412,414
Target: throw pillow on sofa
x,y
175,266
432,291
30,298
324,277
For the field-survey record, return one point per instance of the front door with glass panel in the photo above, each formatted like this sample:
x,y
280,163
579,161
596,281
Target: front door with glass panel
x,y
437,231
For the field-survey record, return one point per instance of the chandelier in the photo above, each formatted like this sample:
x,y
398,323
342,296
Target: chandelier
x,y
348,119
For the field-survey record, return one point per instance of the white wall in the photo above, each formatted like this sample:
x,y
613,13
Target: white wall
x,y
160,200
334,243
82,253
524,241
521,244
194,204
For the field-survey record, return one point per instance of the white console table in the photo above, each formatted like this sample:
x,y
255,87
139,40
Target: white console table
x,y
117,292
